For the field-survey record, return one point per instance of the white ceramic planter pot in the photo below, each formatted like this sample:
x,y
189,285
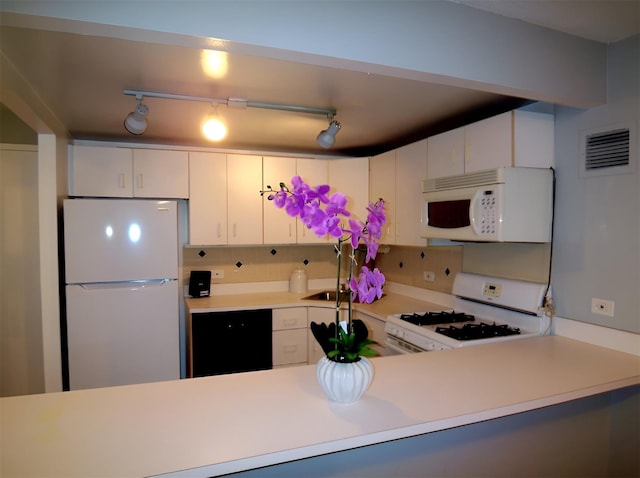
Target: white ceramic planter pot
x,y
344,382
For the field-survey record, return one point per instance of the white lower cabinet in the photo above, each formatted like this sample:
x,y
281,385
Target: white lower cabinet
x,y
289,336
320,315
327,315
376,330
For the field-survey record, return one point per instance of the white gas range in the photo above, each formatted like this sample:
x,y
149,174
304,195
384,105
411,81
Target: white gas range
x,y
485,310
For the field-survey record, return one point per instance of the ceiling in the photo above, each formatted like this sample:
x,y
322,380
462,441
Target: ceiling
x,y
605,21
81,79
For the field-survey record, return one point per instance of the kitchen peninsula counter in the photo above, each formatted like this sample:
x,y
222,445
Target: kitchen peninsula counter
x,y
222,424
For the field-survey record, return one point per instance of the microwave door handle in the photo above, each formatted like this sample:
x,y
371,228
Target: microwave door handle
x,y
474,212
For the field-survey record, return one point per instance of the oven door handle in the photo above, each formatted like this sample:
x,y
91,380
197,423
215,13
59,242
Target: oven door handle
x,y
399,346
396,350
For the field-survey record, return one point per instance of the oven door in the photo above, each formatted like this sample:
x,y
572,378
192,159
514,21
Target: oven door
x,y
396,346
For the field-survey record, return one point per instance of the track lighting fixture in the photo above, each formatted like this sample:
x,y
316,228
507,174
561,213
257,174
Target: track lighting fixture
x,y
136,121
327,137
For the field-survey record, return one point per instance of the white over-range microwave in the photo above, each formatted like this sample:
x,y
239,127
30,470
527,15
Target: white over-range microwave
x,y
495,205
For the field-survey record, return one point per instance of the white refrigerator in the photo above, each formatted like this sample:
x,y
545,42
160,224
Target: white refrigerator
x,y
122,297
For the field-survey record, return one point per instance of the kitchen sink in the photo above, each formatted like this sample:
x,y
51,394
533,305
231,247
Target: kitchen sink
x,y
326,295
329,296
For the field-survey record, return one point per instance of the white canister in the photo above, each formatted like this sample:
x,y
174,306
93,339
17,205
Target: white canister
x,y
298,281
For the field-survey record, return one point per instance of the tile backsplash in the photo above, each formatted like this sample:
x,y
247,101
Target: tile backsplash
x,y
407,265
260,263
401,264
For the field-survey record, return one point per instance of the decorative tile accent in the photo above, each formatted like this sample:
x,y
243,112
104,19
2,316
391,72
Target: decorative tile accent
x,y
238,264
202,253
305,262
447,271
273,252
422,255
401,265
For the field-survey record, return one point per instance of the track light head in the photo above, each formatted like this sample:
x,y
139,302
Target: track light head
x,y
136,121
327,137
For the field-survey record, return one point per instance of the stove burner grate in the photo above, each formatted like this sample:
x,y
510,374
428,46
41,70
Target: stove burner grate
x,y
477,331
433,318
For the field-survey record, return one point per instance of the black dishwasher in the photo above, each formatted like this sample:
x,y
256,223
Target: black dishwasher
x,y
231,342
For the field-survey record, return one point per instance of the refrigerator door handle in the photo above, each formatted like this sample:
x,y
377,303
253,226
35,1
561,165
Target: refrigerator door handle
x,y
138,284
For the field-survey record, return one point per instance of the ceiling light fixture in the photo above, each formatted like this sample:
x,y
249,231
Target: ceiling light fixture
x,y
326,138
136,121
213,128
328,135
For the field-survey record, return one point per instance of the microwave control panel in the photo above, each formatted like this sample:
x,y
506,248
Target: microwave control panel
x,y
488,213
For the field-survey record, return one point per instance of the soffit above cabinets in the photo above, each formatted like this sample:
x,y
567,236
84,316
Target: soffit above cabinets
x,y
78,66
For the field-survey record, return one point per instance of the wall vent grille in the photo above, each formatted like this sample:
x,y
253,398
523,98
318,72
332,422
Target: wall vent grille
x,y
608,151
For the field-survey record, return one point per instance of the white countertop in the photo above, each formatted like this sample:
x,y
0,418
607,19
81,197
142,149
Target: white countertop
x,y
228,423
391,303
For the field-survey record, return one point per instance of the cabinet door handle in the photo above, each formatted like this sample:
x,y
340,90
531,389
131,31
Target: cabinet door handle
x,y
234,229
121,181
290,232
289,322
289,349
140,181
219,230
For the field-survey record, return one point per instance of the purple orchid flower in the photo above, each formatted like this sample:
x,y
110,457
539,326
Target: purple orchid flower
x,y
323,214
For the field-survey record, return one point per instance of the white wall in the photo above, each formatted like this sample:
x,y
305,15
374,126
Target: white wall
x,y
51,186
597,243
21,360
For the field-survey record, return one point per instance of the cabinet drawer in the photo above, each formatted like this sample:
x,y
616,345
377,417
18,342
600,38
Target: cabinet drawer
x,y
291,318
289,346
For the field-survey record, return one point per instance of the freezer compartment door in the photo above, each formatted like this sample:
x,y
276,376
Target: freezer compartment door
x,y
108,240
122,334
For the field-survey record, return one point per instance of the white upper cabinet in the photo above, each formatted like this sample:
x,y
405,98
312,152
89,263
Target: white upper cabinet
x,y
313,172
396,176
101,171
351,177
445,156
104,171
160,173
411,169
279,227
208,198
244,203
382,179
515,138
